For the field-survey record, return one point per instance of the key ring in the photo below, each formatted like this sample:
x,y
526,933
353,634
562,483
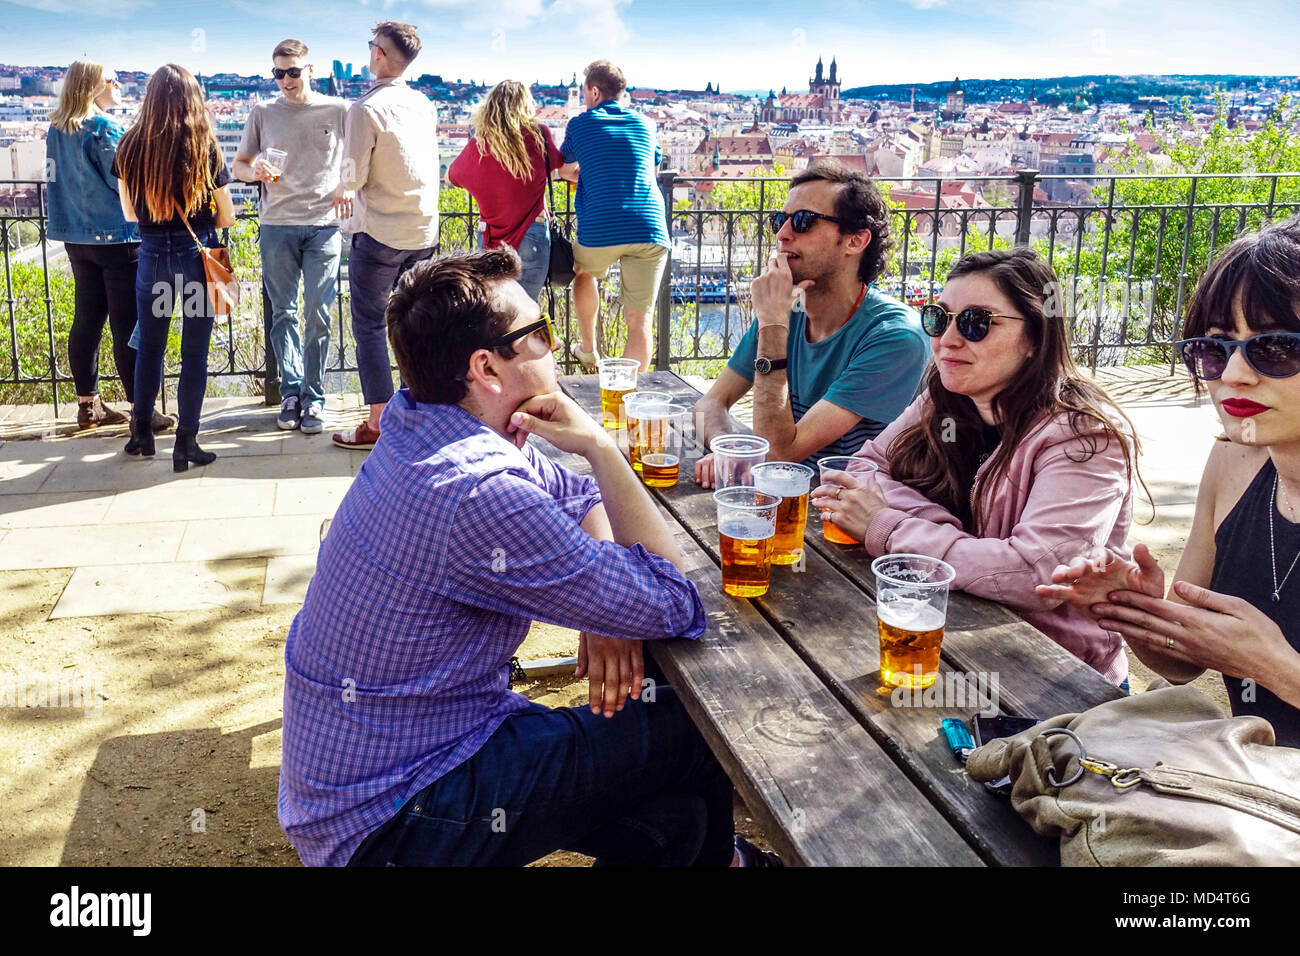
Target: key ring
x,y
1121,779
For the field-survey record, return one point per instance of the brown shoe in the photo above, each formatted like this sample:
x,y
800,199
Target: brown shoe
x,y
363,436
95,412
161,422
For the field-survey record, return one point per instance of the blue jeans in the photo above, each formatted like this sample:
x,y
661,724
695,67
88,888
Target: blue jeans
x,y
170,272
373,271
638,789
312,252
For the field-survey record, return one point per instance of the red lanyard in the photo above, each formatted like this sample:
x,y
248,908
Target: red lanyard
x,y
862,295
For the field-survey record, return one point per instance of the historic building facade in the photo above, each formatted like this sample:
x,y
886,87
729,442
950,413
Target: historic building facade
x,y
821,103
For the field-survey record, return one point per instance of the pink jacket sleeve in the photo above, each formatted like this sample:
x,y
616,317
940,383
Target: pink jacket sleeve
x,y
1071,507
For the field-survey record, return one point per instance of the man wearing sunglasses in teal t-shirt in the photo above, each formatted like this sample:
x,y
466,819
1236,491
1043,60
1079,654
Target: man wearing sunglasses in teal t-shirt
x,y
831,359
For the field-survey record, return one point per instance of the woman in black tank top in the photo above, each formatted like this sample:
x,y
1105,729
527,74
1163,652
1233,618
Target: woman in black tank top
x,y
1243,566
1238,584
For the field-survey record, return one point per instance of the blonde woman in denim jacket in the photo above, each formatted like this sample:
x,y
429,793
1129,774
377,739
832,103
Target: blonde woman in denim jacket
x,y
1009,462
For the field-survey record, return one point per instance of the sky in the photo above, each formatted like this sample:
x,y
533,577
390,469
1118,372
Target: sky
x,y
681,44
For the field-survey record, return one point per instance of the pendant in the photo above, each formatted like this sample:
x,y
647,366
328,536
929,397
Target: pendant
x,y
1275,597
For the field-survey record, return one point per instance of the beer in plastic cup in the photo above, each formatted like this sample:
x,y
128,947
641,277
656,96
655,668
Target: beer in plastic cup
x,y
617,378
911,609
660,428
858,468
630,401
791,483
746,526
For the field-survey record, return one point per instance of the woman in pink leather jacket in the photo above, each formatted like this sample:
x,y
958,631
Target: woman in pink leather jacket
x,y
1009,462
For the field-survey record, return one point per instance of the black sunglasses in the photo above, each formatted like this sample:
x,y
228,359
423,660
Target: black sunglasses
x,y
543,325
800,221
1273,354
973,324
293,73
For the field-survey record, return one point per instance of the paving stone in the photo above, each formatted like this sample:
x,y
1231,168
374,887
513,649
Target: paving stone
x,y
117,473
181,586
24,476
314,496
276,468
287,578
184,501
114,544
230,538
65,509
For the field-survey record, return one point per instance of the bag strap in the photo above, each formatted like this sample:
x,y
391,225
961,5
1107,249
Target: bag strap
x,y
1263,802
190,229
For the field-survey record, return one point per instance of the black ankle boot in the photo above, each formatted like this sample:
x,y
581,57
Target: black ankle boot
x,y
141,442
187,450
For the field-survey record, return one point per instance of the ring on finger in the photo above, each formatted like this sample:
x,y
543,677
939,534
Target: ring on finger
x,y
1169,643
837,493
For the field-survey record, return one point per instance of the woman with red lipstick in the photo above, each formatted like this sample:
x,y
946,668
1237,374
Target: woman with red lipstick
x,y
1235,602
1009,462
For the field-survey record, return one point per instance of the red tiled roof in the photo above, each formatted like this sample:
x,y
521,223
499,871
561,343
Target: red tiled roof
x,y
735,145
801,101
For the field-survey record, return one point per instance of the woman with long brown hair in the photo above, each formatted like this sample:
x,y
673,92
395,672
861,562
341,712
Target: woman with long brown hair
x,y
1009,461
174,183
103,248
505,167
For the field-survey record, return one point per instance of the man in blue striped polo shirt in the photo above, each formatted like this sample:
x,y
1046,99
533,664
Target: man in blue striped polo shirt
x,y
620,210
831,359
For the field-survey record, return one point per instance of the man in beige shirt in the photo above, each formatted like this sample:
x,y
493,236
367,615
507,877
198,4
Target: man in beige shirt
x,y
390,157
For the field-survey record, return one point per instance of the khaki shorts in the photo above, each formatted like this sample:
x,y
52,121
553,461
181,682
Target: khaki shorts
x,y
641,265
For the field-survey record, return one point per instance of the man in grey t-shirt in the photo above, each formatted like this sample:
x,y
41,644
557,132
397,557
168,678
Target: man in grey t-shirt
x,y
302,201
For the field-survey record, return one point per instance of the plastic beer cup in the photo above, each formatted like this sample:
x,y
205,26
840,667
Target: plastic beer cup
x,y
857,467
746,526
911,610
791,483
734,456
630,401
617,378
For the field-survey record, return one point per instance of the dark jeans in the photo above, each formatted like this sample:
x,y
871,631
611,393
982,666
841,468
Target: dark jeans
x,y
638,789
170,274
105,289
373,271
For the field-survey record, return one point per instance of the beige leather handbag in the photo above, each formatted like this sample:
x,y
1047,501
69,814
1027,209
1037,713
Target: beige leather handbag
x,y
1155,779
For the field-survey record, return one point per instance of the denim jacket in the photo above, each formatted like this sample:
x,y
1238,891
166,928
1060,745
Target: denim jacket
x,y
81,190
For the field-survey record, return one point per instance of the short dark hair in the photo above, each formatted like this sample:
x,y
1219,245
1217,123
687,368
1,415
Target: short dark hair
x,y
403,37
607,78
289,48
443,311
1263,269
858,205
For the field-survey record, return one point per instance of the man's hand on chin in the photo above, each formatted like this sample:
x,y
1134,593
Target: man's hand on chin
x,y
559,420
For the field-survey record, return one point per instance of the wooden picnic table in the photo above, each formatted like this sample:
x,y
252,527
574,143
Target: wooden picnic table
x,y
785,688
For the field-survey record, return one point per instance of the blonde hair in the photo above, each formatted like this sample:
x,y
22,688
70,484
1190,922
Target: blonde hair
x,y
165,158
77,98
501,123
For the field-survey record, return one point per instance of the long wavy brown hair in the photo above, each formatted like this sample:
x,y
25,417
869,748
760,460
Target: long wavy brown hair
x,y
503,123
165,158
939,455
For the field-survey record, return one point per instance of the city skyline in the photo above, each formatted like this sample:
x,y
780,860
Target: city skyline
x,y
674,44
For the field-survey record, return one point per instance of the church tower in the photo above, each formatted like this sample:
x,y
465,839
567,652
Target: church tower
x,y
576,104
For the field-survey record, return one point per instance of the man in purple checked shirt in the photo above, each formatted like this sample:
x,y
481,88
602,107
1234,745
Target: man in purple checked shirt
x,y
403,744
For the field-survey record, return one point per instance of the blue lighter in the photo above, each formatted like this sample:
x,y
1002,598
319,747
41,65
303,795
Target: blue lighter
x,y
958,737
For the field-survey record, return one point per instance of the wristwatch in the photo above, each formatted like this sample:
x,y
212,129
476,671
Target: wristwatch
x,y
764,365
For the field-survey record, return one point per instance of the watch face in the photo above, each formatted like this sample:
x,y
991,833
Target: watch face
x,y
762,365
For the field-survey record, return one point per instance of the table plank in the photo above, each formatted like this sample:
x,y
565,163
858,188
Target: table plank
x,y
803,764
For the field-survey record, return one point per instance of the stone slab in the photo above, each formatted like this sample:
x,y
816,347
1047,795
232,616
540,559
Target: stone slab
x,y
310,496
184,501
181,586
278,467
287,578
231,538
62,509
104,544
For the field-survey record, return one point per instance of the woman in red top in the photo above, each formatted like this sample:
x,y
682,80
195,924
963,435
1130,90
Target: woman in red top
x,y
505,167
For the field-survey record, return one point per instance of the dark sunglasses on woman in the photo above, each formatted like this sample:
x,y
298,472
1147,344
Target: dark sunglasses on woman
x,y
800,221
293,73
1272,354
973,324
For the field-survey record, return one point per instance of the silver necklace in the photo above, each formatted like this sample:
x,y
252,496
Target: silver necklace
x,y
1272,547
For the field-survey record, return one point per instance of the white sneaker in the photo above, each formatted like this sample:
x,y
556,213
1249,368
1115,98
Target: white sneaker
x,y
587,359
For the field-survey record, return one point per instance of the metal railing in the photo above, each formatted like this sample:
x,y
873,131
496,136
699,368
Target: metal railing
x,y
1126,248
